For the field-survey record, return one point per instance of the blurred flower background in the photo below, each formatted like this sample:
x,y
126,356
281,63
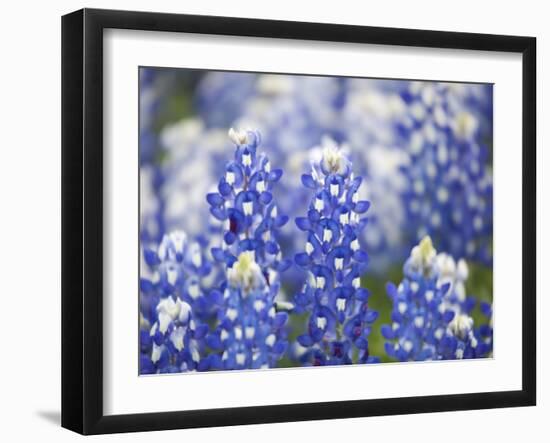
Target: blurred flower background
x,y
410,162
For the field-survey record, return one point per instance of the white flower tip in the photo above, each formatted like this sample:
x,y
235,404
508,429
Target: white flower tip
x,y
424,253
332,157
270,340
245,273
461,325
239,137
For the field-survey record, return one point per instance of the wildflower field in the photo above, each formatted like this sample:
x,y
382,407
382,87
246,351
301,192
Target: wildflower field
x,y
291,221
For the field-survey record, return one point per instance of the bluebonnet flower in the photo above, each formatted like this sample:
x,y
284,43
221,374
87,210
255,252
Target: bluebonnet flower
x,y
172,303
194,158
292,112
417,186
340,319
431,313
485,330
424,151
421,147
151,213
179,160
250,332
449,194
151,205
367,120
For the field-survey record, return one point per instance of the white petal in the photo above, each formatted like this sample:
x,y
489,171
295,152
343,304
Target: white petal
x,y
321,322
344,218
157,352
270,340
320,282
402,307
230,177
238,333
319,204
240,358
247,208
231,314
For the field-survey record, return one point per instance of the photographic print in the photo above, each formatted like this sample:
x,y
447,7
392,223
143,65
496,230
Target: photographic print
x,y
295,220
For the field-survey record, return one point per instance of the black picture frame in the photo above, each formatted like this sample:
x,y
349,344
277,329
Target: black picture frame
x,y
82,220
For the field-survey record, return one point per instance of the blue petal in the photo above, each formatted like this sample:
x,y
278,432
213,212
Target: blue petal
x,y
469,304
213,341
308,181
362,294
275,175
271,247
303,223
204,365
371,316
266,197
215,199
305,340
145,341
215,297
280,221
146,365
387,332
280,347
280,319
302,259
151,257
361,207
218,254
361,256
448,316
215,361
284,265
485,330
485,309
391,290
445,288
313,215
145,285
200,331
389,348
229,237
401,354
219,213
224,188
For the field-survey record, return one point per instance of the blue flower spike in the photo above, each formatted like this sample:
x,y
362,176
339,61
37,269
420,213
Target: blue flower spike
x,y
251,323
339,319
171,301
431,313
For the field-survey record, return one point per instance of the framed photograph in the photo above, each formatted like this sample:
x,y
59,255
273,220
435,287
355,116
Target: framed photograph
x,y
269,221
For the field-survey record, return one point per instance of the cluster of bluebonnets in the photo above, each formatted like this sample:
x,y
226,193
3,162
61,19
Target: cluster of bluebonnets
x,y
255,244
431,311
